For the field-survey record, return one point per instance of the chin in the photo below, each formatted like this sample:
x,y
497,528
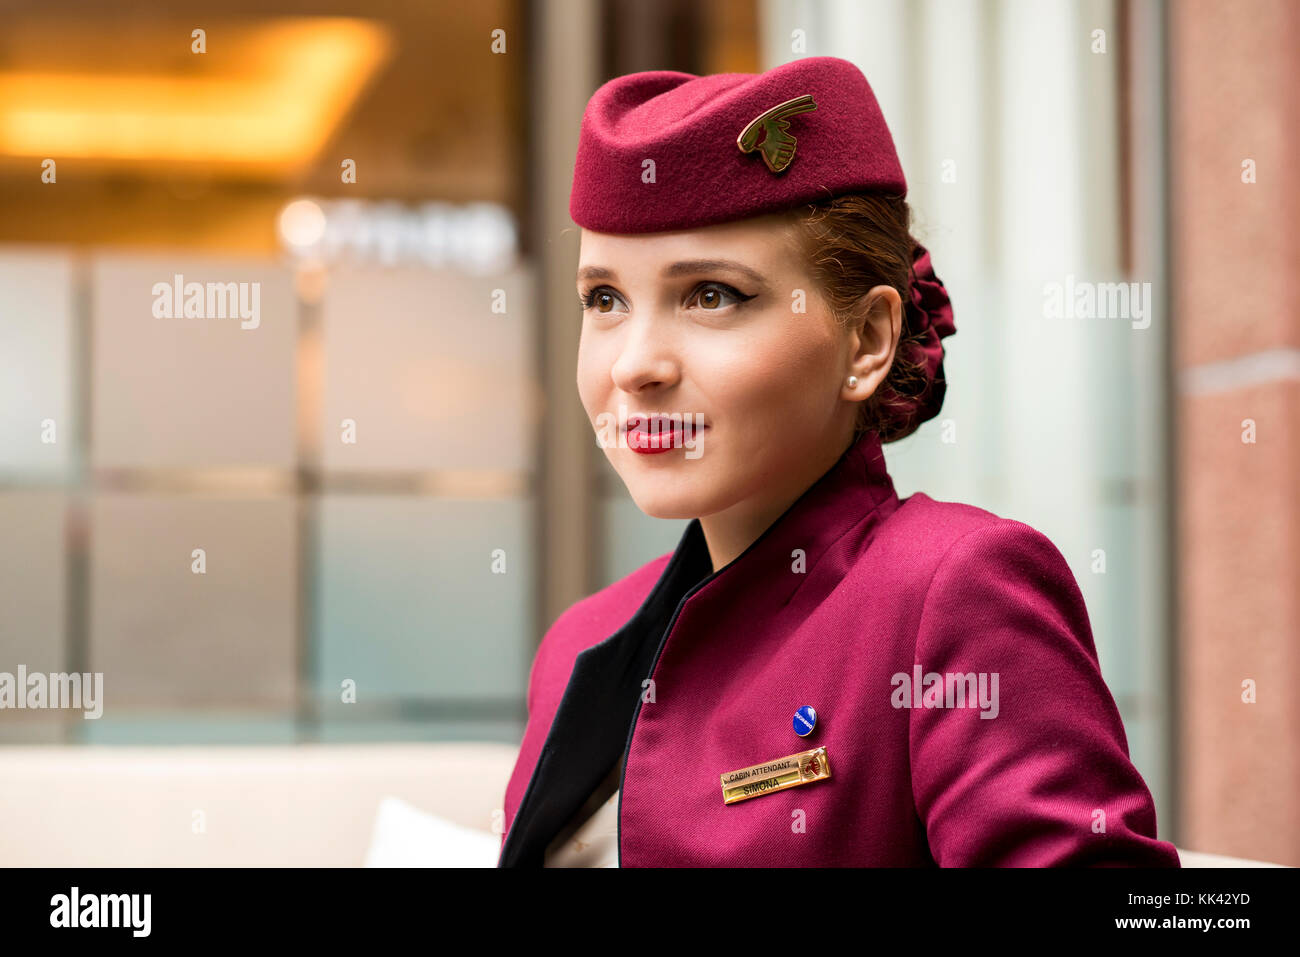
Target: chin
x,y
683,502
667,506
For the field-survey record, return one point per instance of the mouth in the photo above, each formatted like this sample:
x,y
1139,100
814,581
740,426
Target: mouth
x,y
660,433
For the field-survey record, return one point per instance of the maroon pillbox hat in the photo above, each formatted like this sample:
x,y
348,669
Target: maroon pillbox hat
x,y
831,137
663,150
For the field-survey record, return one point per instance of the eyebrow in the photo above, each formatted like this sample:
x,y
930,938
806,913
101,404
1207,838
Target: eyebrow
x,y
686,267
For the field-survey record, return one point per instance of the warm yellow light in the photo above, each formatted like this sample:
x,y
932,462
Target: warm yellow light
x,y
295,80
302,223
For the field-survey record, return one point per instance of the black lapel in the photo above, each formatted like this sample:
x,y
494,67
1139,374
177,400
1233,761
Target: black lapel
x,y
590,729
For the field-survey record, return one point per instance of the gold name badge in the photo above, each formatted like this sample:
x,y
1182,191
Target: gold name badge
x,y
802,768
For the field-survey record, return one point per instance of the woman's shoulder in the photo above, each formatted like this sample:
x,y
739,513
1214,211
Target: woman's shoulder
x,y
932,522
924,535
962,560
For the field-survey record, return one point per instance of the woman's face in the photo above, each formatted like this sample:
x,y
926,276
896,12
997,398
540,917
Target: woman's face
x,y
719,327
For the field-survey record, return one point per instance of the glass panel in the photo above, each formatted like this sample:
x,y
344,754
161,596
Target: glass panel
x,y
33,586
36,363
171,391
33,581
430,374
408,605
164,635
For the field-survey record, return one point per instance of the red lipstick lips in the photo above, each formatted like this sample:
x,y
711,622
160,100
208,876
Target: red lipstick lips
x,y
652,434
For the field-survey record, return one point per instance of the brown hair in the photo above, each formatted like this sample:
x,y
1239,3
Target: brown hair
x,y
854,242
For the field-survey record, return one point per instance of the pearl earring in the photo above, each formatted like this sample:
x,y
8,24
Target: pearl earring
x,y
853,382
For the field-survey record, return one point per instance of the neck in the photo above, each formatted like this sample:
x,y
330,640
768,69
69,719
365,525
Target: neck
x,y
729,532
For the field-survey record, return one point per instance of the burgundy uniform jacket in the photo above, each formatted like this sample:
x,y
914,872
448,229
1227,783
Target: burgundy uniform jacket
x,y
839,605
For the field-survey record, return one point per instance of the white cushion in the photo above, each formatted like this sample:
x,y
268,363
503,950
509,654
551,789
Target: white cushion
x,y
405,836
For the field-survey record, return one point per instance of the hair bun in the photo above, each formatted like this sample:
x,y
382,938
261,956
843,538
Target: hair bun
x,y
930,315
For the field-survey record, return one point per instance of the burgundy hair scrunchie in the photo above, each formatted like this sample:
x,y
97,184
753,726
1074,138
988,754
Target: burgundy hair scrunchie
x,y
930,315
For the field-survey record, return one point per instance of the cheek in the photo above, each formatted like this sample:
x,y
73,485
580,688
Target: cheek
x,y
776,368
590,373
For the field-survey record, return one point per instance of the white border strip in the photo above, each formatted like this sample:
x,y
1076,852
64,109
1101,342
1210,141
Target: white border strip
x,y
1258,368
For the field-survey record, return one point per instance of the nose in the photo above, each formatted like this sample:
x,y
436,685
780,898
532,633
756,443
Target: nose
x,y
647,357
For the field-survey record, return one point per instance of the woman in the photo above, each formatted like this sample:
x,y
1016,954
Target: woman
x,y
819,674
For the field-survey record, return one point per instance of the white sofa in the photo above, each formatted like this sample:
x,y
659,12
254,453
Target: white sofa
x,y
306,805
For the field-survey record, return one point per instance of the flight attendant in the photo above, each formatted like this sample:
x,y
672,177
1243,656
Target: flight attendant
x,y
821,673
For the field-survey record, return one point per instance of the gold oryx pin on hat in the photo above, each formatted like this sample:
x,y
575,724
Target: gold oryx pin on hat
x,y
777,143
802,768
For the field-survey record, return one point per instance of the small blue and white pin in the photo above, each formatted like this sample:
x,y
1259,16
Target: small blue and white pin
x,y
805,719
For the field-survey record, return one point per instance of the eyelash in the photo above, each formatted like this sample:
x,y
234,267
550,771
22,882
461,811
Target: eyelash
x,y
589,299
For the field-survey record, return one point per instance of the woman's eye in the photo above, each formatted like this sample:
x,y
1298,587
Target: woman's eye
x,y
601,298
713,295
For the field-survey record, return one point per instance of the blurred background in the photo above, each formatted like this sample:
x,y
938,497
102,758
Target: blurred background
x,y
354,521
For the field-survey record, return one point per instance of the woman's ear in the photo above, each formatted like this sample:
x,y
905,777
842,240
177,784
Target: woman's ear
x,y
876,328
